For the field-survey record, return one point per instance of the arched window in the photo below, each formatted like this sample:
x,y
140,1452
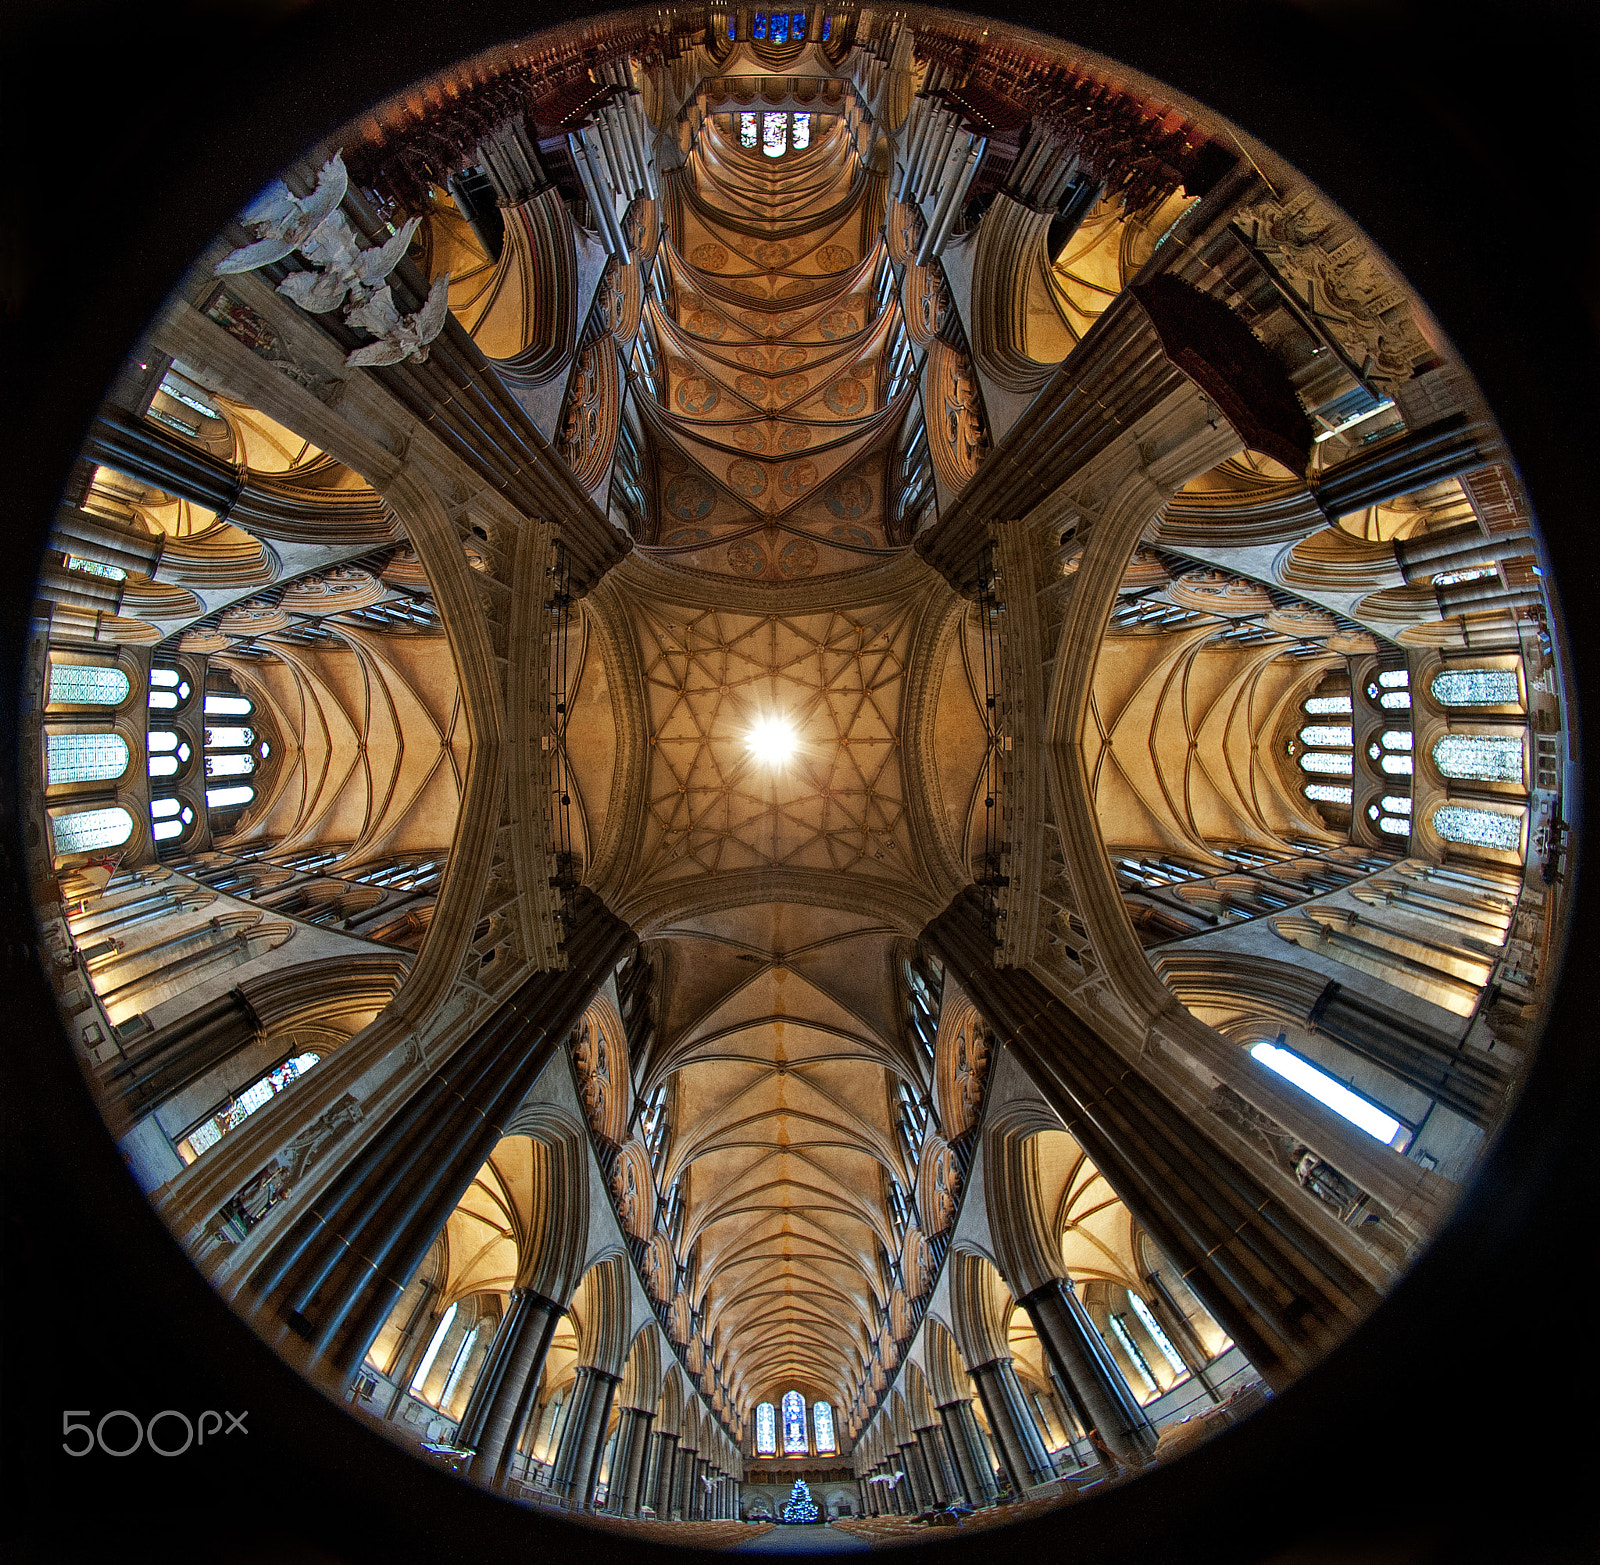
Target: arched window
x,y
766,1429
1480,757
90,829
1475,687
81,684
168,690
236,764
1157,1335
1327,734
169,819
230,738
775,134
1326,793
1326,706
221,705
1392,751
1338,1097
228,798
1392,814
822,1423
1478,827
76,562
238,1108
800,137
747,130
441,1331
1331,763
794,1424
167,752
74,758
1391,689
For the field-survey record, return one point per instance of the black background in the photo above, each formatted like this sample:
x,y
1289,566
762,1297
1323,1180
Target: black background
x,y
1457,1425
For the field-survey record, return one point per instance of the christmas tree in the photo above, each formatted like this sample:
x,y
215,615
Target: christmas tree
x,y
800,1507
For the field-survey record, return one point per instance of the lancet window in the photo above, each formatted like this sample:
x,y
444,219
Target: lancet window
x,y
1392,814
794,1425
1392,751
83,684
169,819
822,1424
766,1429
1391,689
1480,757
86,830
1478,827
238,1108
168,690
75,758
1475,687
1338,1097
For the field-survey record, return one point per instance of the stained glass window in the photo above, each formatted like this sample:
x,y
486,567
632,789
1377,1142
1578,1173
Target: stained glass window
x,y
226,798
229,738
242,1105
766,1429
778,28
1480,757
1395,678
80,684
76,562
1396,803
1157,1335
758,28
227,706
441,1331
1332,763
747,130
1326,706
1327,793
1482,828
233,765
72,758
1395,700
1121,1333
797,25
90,829
794,1424
827,27
774,134
1322,1086
1395,825
170,818
822,1421
1448,578
1326,733
1476,687
802,132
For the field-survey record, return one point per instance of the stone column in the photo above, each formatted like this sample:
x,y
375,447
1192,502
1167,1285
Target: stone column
x,y
935,1455
506,1386
334,1273
916,1475
1083,1363
583,1438
1263,1271
970,1451
683,1491
636,1422
666,1470
1021,1448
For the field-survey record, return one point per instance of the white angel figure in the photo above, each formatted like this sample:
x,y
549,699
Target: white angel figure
x,y
399,337
346,269
284,222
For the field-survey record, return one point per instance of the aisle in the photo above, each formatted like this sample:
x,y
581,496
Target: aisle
x,y
818,1539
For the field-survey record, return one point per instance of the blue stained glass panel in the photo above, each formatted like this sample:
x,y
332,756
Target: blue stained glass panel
x,y
822,1420
794,1424
766,1429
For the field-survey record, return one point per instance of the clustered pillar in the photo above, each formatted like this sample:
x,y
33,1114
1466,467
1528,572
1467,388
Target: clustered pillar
x,y
1021,1450
633,1445
503,1394
583,1438
1102,1398
971,1452
334,1274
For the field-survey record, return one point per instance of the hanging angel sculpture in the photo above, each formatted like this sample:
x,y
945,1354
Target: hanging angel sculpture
x,y
344,272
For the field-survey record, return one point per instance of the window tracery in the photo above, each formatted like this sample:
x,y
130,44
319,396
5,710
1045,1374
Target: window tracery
x,y
75,758
1482,828
794,1425
84,684
86,830
1480,757
766,1430
822,1422
1475,687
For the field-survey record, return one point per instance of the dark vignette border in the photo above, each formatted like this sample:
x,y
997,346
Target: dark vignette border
x,y
1454,1425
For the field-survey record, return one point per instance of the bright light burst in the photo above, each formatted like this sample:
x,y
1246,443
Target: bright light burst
x,y
772,740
